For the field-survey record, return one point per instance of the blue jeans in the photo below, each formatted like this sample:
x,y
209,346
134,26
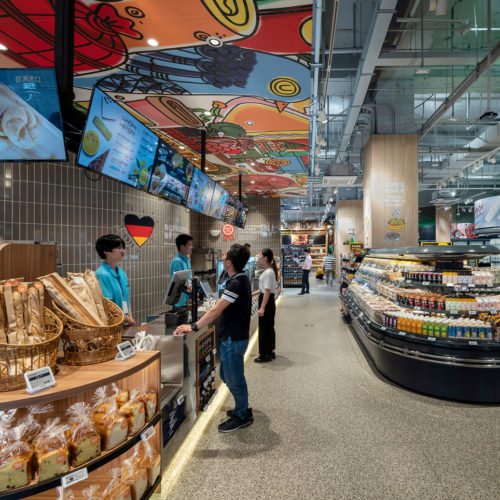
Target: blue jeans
x,y
232,373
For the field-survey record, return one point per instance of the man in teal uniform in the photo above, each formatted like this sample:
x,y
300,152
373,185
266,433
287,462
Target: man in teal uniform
x,y
113,280
181,262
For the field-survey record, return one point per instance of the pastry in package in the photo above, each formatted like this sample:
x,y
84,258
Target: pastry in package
x,y
32,426
95,288
3,325
150,460
135,477
117,489
77,283
64,494
135,412
84,439
150,401
121,396
112,426
91,493
51,450
16,461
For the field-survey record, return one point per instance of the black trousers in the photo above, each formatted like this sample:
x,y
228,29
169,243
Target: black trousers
x,y
305,280
267,335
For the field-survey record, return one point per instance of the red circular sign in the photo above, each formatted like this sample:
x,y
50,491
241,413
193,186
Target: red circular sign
x,y
227,229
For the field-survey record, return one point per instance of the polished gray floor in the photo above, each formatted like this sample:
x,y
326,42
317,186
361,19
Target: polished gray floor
x,y
328,427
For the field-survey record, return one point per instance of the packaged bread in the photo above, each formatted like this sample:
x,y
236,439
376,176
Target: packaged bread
x,y
13,308
112,426
91,493
135,477
135,412
65,298
121,396
16,461
148,459
117,489
32,426
64,494
84,440
77,283
95,288
36,328
51,450
3,326
150,401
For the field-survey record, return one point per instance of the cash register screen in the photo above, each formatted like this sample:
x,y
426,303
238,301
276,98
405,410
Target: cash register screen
x,y
174,290
206,288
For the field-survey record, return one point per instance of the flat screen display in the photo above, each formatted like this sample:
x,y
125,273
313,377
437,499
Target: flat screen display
x,y
200,192
116,144
241,220
231,211
286,239
171,175
317,239
31,115
487,215
219,200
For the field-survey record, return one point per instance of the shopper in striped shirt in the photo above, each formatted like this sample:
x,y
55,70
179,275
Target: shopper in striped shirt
x,y
328,266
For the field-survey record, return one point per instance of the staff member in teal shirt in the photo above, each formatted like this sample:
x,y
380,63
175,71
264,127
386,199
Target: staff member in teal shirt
x,y
181,262
113,280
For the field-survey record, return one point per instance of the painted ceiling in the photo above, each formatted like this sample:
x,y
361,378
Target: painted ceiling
x,y
251,93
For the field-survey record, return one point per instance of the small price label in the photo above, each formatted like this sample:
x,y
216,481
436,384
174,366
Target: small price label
x,y
207,358
426,283
471,285
180,399
384,328
39,379
214,351
450,284
493,311
408,281
74,477
489,285
148,434
472,342
401,333
78,280
125,351
431,339
471,313
453,312
417,308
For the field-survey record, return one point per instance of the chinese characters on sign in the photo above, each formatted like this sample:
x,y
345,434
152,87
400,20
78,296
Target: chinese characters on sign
x,y
394,200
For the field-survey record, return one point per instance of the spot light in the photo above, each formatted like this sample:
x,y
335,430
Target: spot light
x,y
3,47
152,42
213,41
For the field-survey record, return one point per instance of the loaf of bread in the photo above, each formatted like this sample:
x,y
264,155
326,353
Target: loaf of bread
x,y
148,459
135,412
77,283
117,489
16,460
95,288
84,439
150,401
51,451
136,478
3,326
121,396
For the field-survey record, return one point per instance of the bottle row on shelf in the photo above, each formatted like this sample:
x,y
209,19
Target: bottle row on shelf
x,y
463,277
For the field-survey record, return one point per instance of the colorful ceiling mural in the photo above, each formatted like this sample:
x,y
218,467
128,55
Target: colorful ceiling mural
x,y
237,68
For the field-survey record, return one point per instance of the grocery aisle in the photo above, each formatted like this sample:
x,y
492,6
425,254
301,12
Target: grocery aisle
x,y
327,427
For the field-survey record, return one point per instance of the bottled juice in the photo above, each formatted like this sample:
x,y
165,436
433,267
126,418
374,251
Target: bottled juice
x,y
419,326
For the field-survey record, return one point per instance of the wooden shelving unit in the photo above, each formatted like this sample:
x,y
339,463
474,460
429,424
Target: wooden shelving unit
x,y
78,383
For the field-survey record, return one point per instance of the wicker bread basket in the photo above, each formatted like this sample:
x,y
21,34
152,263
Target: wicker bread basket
x,y
17,359
85,344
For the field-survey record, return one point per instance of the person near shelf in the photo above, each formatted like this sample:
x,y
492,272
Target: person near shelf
x,y
306,270
113,280
328,266
268,283
181,262
234,309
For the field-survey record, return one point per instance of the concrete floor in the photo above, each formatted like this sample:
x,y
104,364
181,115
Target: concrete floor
x,y
328,427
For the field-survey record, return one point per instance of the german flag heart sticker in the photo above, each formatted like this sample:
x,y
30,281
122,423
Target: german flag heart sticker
x,y
139,229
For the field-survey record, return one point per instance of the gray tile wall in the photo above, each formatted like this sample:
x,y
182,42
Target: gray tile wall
x,y
57,202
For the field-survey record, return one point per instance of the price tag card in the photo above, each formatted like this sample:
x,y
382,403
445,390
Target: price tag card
x,y
214,351
494,311
39,379
417,308
471,313
401,333
432,339
148,433
181,399
453,312
384,328
450,284
125,351
408,281
471,285
472,342
489,285
426,283
74,477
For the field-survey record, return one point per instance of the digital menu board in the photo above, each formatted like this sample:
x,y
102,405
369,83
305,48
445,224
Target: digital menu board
x,y
116,144
171,175
231,210
218,204
31,115
200,192
241,220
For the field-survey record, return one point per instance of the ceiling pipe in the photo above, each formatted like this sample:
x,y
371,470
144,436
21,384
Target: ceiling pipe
x,y
371,52
461,89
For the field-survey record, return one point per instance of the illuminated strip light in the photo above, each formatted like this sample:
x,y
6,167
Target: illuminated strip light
x,y
183,454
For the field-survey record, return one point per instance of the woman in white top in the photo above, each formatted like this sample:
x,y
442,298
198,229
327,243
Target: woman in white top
x,y
268,283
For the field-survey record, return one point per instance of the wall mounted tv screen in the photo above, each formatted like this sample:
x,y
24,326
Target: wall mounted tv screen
x,y
31,115
116,144
172,174
200,192
317,239
487,216
241,220
219,201
231,210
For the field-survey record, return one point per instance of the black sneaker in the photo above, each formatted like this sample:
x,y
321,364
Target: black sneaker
x,y
230,413
234,423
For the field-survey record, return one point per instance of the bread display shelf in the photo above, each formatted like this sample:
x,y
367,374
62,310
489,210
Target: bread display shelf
x,y
104,458
74,380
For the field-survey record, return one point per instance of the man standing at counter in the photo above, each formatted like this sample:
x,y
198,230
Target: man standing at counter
x,y
234,308
181,262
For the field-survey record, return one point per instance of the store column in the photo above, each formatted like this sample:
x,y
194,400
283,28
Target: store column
x,y
390,191
443,224
348,224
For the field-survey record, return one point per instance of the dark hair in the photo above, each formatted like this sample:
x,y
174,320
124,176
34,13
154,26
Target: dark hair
x,y
268,254
108,243
247,245
238,255
182,240
308,250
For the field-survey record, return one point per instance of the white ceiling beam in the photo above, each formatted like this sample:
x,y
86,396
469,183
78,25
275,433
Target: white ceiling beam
x,y
408,59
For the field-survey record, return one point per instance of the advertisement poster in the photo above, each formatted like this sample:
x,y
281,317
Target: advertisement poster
x,y
171,175
299,239
394,200
487,213
200,192
31,123
463,231
356,248
116,144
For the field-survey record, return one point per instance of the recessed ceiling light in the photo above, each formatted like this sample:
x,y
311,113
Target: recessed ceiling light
x,y
182,147
249,122
213,41
152,42
252,163
3,47
252,182
207,113
195,159
222,182
422,71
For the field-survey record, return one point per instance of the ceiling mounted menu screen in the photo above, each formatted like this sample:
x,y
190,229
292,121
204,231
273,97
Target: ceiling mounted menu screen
x,y
200,192
116,144
172,174
219,200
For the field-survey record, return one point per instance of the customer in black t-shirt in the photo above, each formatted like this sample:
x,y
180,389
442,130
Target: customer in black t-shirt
x,y
234,308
